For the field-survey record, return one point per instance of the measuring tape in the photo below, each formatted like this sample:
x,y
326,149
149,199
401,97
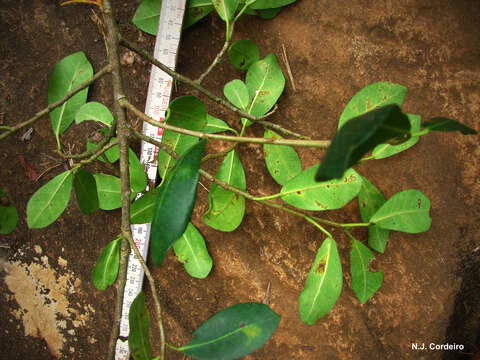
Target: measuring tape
x,y
158,98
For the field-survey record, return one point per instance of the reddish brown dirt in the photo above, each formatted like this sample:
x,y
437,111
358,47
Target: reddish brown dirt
x,y
430,293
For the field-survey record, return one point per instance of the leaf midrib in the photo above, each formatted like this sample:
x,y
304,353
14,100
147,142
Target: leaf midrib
x,y
208,342
64,105
327,263
363,267
397,214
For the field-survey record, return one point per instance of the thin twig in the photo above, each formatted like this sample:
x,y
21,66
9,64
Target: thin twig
x,y
192,83
100,152
123,135
214,63
151,280
282,130
47,170
320,144
56,104
287,64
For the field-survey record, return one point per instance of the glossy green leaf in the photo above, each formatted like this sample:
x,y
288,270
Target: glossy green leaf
x,y
191,250
406,211
233,332
196,10
109,191
282,161
187,112
49,202
270,4
94,111
105,271
447,125
112,154
385,150
323,285
243,53
8,215
141,211
305,193
226,209
372,96
147,15
138,178
360,135
85,191
225,8
370,199
265,83
215,125
179,143
175,201
364,282
139,336
69,73
237,93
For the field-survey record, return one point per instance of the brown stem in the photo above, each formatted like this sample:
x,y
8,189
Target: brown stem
x,y
123,134
240,192
40,114
321,144
217,59
185,80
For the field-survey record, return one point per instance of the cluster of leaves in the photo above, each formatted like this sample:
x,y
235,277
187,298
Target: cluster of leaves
x,y
371,122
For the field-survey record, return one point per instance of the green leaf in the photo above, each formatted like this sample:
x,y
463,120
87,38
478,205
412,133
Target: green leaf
x,y
85,191
175,201
225,8
69,73
265,83
215,125
282,161
237,93
268,14
196,10
385,150
323,285
226,209
270,4
406,211
49,202
360,135
370,199
147,15
8,215
109,191
372,96
447,125
179,143
187,112
243,53
112,154
94,111
138,178
106,268
139,336
141,211
305,193
191,250
364,282
233,332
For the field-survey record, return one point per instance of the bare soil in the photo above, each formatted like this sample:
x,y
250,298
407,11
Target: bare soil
x,y
49,307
